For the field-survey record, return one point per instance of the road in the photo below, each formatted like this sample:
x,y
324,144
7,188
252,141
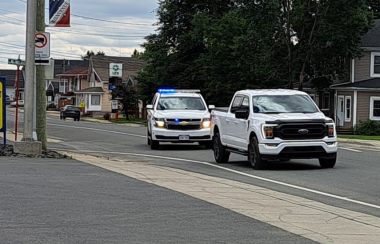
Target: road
x,y
356,176
354,183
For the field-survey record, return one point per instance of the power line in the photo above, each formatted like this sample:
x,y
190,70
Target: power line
x,y
103,20
94,34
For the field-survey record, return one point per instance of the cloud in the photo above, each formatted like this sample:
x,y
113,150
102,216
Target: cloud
x,y
117,39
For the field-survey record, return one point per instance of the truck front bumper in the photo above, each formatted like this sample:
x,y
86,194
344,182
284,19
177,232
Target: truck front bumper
x,y
165,135
299,149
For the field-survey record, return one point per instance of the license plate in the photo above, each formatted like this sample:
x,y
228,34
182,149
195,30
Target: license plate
x,y
184,138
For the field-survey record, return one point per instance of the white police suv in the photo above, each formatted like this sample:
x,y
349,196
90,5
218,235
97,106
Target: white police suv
x,y
179,116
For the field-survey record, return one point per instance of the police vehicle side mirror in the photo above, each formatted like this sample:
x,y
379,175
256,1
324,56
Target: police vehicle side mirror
x,y
211,107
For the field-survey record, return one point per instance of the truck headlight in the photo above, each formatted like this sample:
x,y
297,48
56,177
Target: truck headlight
x,y
159,122
269,132
330,130
206,123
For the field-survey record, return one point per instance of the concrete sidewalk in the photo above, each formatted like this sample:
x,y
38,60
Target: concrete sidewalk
x,y
65,201
310,219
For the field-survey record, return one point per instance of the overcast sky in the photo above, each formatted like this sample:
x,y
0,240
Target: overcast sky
x,y
135,19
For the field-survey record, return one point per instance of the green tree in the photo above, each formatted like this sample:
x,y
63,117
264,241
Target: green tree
x,y
91,53
375,7
127,95
222,46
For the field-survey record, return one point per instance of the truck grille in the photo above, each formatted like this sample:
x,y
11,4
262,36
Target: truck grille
x,y
299,131
183,124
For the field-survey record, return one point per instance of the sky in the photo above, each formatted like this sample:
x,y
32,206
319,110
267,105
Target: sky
x,y
120,28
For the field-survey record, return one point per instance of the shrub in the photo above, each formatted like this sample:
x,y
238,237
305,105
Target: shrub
x,y
368,128
107,116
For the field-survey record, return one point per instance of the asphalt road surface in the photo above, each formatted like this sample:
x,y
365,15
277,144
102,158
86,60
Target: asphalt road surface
x,y
353,184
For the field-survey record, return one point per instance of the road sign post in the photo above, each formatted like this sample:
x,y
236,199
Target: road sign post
x,y
3,114
19,63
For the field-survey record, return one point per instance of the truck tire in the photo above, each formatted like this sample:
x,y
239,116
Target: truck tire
x,y
154,145
221,155
254,156
327,163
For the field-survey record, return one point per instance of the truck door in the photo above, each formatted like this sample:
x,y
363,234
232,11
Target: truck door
x,y
239,127
228,122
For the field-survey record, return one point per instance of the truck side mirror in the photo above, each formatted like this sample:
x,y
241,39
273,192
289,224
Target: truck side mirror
x,y
211,107
242,114
149,106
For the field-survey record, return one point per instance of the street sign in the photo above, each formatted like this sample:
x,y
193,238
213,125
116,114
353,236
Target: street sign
x,y
59,13
16,62
3,124
42,44
116,70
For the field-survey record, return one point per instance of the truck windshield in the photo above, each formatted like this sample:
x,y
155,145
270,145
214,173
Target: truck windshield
x,y
284,104
180,103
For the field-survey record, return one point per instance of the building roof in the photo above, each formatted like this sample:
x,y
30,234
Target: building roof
x,y
364,84
61,66
10,76
372,37
101,64
91,90
75,72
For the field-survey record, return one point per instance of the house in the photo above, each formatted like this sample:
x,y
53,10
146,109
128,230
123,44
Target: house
x,y
68,76
359,99
105,73
10,77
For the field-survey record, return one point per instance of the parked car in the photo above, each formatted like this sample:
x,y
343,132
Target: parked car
x,y
273,125
70,111
20,103
178,116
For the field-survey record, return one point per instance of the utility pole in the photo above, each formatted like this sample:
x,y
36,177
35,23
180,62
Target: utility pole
x,y
28,145
40,83
29,69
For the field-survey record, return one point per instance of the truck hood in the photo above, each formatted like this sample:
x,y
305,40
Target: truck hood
x,y
294,116
191,114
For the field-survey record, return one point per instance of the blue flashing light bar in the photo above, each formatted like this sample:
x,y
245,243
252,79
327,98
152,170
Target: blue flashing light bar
x,y
166,91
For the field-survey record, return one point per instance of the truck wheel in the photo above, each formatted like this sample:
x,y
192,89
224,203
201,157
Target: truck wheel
x,y
154,145
148,140
327,163
254,156
221,155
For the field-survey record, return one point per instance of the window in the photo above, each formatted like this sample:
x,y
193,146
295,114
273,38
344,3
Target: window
x,y
375,64
236,103
347,114
283,104
326,101
374,112
95,100
180,103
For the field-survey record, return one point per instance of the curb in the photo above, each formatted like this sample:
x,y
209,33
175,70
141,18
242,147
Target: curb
x,y
360,142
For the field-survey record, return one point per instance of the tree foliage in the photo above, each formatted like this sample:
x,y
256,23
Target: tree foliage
x,y
127,96
220,46
91,53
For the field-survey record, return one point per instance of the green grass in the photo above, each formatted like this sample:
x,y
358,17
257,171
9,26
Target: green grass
x,y
360,137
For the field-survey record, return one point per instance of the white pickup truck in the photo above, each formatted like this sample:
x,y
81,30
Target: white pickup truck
x,y
276,124
179,116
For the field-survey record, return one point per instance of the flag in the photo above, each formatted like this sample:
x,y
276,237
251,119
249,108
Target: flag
x,y
59,13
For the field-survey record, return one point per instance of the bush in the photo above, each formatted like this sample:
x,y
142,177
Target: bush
x,y
368,128
107,116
